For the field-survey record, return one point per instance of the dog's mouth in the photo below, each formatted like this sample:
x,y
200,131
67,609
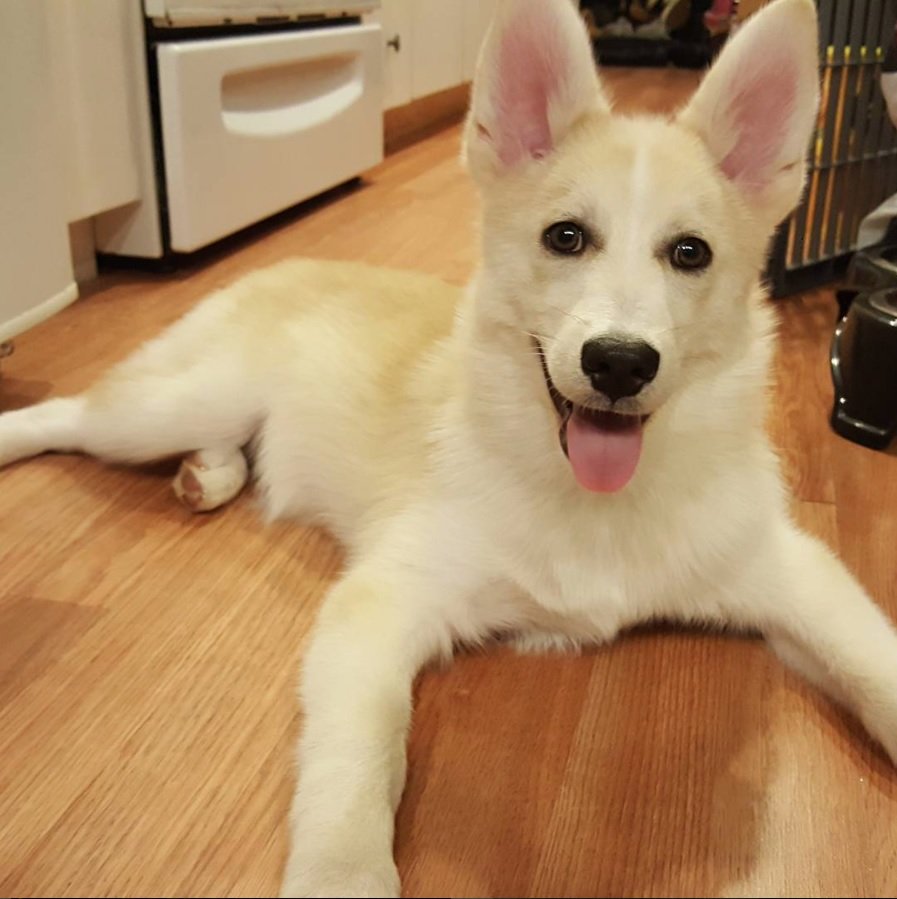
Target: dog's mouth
x,y
603,446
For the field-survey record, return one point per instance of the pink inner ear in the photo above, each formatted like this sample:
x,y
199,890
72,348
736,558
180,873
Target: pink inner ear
x,y
759,113
531,65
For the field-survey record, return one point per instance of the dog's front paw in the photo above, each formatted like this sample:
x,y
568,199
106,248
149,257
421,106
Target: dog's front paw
x,y
361,879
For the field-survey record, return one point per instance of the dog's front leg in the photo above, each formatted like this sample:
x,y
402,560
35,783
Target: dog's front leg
x,y
375,630
821,622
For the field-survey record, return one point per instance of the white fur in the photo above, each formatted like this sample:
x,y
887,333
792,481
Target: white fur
x,y
545,27
416,424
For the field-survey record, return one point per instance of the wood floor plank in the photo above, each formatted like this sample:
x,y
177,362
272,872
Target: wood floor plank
x,y
489,753
657,753
36,633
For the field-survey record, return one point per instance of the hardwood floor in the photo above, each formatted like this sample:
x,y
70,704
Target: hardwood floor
x,y
148,657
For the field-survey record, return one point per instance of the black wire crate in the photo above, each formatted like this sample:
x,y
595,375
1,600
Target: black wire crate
x,y
853,156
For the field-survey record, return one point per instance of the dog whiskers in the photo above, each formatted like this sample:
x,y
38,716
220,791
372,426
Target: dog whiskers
x,y
575,318
542,338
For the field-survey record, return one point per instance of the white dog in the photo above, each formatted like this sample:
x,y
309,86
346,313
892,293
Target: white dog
x,y
573,446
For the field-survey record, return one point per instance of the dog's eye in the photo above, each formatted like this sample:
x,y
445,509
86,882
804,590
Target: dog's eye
x,y
565,238
690,254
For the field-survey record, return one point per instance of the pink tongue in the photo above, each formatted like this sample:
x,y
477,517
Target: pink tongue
x,y
603,453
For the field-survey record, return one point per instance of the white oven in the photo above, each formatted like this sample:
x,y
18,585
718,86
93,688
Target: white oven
x,y
252,107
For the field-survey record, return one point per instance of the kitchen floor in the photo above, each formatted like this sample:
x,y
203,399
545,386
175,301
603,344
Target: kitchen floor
x,y
148,657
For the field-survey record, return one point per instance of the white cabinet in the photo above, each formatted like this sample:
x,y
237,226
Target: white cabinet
x,y
90,72
477,16
437,46
36,277
430,45
253,125
67,147
395,18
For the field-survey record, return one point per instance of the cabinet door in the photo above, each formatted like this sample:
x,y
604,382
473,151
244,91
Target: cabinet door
x,y
437,51
477,16
91,71
395,18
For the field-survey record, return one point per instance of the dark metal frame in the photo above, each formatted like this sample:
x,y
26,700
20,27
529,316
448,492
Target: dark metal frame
x,y
853,157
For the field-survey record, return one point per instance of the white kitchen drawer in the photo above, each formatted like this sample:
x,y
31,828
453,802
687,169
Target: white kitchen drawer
x,y
252,125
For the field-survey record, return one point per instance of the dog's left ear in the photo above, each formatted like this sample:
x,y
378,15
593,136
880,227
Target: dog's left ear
x,y
757,107
536,77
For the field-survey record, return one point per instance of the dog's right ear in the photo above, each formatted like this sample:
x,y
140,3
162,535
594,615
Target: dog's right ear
x,y
536,77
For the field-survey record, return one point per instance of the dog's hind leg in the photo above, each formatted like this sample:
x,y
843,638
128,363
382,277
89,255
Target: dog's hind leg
x,y
136,417
185,392
50,425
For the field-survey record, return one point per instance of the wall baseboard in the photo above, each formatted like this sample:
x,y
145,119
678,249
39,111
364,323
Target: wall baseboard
x,y
408,124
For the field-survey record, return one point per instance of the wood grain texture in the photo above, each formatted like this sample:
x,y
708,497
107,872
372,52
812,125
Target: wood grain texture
x,y
148,658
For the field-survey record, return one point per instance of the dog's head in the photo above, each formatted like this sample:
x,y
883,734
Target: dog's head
x,y
627,248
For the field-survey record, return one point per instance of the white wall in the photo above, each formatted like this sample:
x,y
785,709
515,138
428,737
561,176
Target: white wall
x,y
35,265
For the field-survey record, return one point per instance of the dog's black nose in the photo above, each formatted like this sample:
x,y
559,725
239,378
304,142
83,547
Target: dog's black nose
x,y
618,367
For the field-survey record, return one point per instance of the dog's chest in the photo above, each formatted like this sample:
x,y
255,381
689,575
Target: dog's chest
x,y
609,570
604,578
